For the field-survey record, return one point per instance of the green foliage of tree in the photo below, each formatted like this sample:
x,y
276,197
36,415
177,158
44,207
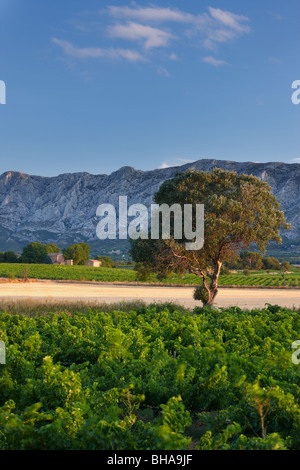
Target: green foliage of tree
x,y
34,253
52,248
240,211
285,266
225,271
106,261
251,260
9,257
79,253
143,272
246,272
271,263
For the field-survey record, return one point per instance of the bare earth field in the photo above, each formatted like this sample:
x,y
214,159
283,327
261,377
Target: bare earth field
x,y
51,291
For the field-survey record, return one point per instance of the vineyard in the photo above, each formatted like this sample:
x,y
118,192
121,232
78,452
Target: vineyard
x,y
156,377
266,280
83,273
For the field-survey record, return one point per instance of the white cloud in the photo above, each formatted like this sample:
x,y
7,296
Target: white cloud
x,y
155,27
180,160
214,62
216,26
295,160
186,160
218,36
231,20
97,52
163,166
152,37
155,14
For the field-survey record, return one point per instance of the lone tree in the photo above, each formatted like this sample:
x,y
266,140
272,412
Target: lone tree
x,y
240,211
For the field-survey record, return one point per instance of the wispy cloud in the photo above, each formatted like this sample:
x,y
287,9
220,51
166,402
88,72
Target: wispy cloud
x,y
234,22
163,166
151,37
215,26
185,160
153,28
156,14
97,52
178,161
295,160
163,72
214,62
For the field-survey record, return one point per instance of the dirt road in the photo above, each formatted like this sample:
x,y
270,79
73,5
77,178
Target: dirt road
x,y
52,291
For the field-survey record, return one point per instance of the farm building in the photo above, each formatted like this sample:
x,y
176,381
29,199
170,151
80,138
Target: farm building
x,y
56,258
93,262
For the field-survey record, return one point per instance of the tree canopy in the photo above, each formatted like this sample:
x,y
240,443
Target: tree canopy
x,y
52,248
271,263
251,260
106,261
9,257
34,253
79,253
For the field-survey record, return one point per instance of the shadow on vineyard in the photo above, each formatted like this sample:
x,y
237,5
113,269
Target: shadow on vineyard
x,y
157,377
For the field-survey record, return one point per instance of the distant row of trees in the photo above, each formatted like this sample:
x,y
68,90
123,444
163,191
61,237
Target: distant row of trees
x,y
254,261
9,257
32,253
37,253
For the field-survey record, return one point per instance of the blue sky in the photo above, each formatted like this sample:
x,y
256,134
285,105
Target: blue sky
x,y
96,85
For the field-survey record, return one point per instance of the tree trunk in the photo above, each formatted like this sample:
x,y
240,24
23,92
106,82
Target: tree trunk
x,y
212,290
